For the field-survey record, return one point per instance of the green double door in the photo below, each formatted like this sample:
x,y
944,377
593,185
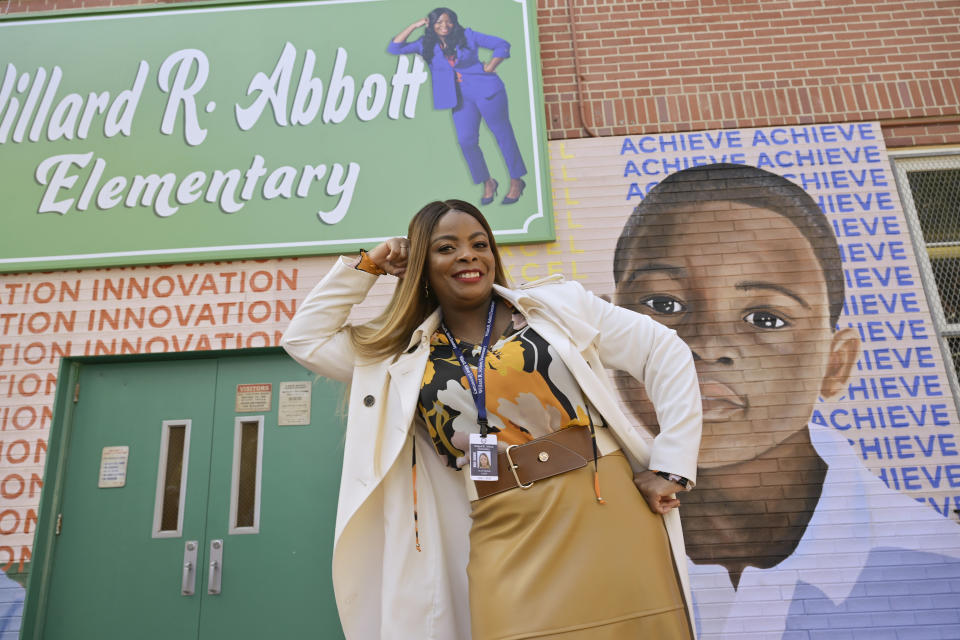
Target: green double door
x,y
190,501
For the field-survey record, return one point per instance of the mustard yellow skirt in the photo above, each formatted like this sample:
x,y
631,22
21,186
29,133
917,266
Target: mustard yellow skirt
x,y
552,562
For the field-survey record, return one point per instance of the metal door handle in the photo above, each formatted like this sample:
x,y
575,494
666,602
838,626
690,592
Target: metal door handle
x,y
216,567
189,568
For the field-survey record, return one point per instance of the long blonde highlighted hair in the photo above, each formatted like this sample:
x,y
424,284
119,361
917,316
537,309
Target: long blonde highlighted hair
x,y
412,301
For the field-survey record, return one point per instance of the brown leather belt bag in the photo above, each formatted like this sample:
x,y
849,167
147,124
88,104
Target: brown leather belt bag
x,y
522,465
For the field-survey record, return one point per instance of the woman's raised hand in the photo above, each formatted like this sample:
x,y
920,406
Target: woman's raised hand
x,y
401,37
391,256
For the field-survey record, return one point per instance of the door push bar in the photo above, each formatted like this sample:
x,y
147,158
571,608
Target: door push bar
x,y
189,580
189,568
216,567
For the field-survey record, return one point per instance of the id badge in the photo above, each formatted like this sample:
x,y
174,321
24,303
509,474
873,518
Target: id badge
x,y
483,457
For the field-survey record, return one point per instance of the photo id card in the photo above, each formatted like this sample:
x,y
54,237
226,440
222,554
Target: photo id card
x,y
483,457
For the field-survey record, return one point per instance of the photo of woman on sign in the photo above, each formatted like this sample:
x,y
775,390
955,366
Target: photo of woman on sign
x,y
471,89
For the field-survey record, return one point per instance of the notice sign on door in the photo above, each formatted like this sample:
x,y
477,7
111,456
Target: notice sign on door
x,y
113,467
254,397
294,404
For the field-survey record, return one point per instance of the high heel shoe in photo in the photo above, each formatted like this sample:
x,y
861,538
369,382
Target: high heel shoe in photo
x,y
508,200
488,199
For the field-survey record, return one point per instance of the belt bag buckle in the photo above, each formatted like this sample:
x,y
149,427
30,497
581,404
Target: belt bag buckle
x,y
514,467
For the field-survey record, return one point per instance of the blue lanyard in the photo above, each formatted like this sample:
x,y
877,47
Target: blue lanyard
x,y
477,386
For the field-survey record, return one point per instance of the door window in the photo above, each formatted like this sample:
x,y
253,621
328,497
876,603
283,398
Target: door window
x,y
245,485
171,478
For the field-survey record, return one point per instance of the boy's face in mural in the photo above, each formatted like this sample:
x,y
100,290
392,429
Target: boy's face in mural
x,y
742,286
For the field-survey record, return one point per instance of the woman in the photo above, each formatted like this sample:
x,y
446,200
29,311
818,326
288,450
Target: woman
x,y
471,89
561,541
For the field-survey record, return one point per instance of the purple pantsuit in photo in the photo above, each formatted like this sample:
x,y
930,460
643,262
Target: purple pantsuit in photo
x,y
472,94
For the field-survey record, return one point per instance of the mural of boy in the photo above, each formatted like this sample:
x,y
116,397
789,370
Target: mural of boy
x,y
786,530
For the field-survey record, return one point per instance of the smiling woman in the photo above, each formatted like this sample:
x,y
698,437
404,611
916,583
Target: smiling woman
x,y
458,367
461,271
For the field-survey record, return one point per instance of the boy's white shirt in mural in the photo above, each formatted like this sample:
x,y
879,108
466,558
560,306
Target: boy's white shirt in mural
x,y
871,558
11,607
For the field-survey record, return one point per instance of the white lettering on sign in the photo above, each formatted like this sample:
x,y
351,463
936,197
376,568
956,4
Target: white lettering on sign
x,y
230,189
29,105
274,90
184,62
73,115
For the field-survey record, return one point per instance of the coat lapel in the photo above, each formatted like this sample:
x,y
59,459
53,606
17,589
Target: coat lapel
x,y
405,376
574,330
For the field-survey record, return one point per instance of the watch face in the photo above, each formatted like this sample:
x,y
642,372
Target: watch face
x,y
672,477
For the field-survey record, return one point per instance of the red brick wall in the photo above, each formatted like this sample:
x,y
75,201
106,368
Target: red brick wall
x,y
624,67
618,67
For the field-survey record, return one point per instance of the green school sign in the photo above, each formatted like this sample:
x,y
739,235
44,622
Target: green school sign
x,y
250,130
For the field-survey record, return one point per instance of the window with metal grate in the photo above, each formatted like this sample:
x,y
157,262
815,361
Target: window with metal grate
x,y
929,188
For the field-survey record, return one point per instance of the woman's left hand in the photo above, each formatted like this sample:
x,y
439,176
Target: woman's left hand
x,y
658,492
491,66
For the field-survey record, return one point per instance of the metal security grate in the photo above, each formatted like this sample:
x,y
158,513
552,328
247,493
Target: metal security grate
x,y
936,199
954,342
930,190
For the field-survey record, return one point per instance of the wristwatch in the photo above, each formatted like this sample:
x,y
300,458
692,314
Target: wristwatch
x,y
672,477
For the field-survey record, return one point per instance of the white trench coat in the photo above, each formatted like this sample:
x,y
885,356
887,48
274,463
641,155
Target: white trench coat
x,y
384,587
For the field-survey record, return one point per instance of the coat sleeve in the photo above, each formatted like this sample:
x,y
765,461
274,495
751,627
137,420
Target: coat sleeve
x,y
655,355
317,337
399,48
499,46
